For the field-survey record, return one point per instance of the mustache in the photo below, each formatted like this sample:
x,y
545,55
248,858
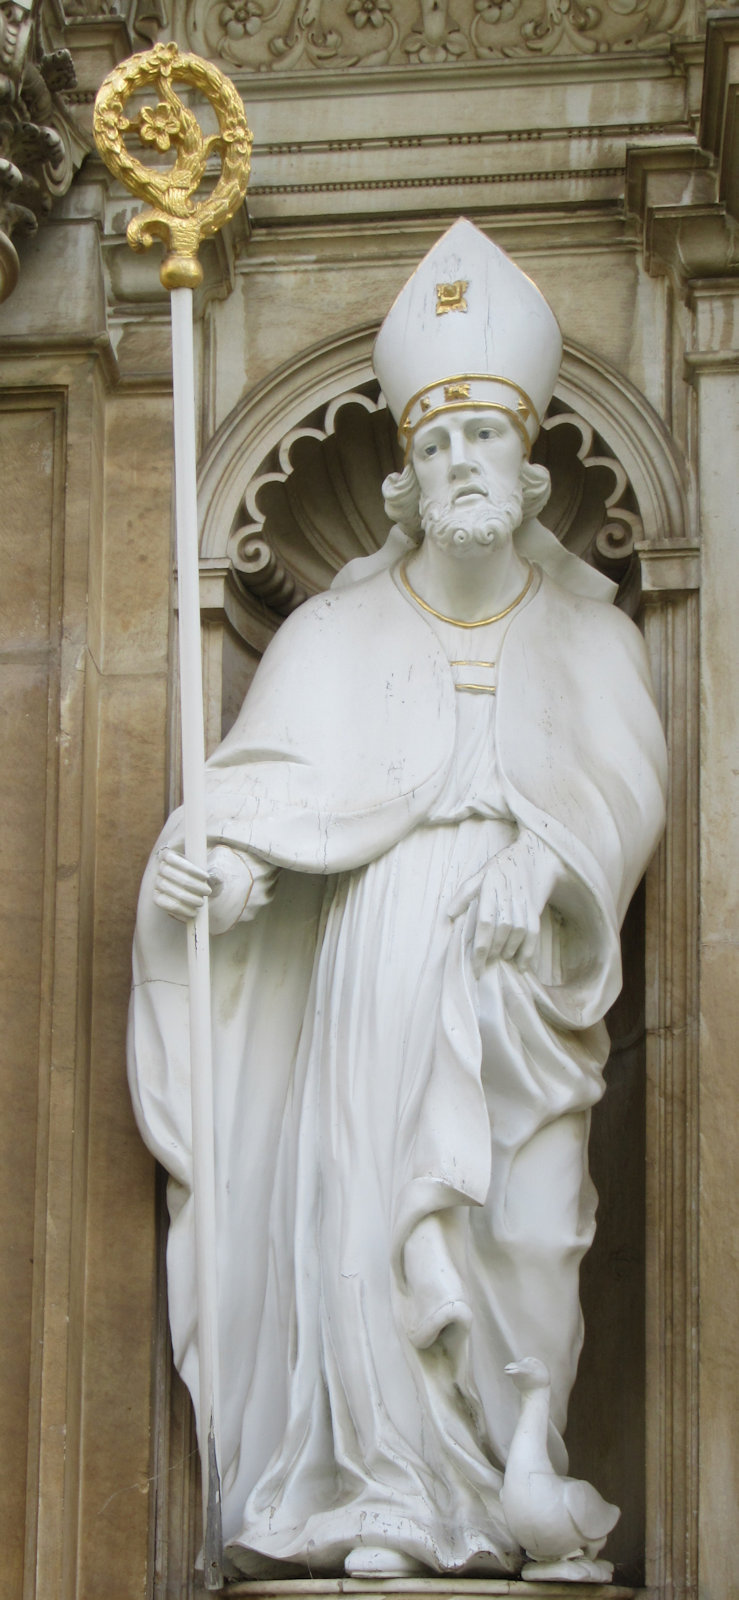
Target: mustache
x,y
479,520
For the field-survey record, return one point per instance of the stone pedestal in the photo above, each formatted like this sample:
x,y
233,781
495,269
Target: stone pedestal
x,y
427,1589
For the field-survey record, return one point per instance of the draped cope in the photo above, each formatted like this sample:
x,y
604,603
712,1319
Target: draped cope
x,y
401,1147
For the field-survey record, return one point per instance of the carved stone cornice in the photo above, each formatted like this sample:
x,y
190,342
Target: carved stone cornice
x,y
669,569
694,243
52,59
97,41
36,156
686,230
280,36
719,125
685,195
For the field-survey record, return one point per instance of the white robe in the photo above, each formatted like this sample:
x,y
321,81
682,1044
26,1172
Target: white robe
x,y
367,1083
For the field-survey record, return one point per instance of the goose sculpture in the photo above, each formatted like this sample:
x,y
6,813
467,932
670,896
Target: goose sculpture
x,y
562,1523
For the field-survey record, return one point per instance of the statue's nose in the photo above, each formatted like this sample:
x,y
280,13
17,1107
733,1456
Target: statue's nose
x,y
460,464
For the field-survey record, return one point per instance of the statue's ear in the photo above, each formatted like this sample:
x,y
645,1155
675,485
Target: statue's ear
x,y
537,543
397,545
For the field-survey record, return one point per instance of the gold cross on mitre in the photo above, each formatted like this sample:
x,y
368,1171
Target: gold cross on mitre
x,y
450,296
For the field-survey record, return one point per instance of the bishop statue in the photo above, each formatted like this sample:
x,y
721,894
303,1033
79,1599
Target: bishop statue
x,y
425,827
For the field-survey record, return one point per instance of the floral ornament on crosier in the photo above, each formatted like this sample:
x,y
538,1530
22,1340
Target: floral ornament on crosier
x,y
174,215
161,126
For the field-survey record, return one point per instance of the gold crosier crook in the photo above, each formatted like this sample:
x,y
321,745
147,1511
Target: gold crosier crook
x,y
181,222
172,214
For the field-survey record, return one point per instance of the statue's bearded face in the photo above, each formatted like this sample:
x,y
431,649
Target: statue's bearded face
x,y
468,465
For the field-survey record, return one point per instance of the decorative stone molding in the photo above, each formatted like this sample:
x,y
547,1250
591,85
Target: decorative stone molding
x,y
37,156
426,1589
142,18
291,484
671,629
53,57
686,197
280,35
315,500
307,511
719,130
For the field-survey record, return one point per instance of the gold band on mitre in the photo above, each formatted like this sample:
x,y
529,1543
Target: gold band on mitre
x,y
470,391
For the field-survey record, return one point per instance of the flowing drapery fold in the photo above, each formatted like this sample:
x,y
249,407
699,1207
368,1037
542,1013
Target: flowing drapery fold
x,y
391,1130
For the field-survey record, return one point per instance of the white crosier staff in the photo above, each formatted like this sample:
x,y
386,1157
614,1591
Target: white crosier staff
x,y
174,217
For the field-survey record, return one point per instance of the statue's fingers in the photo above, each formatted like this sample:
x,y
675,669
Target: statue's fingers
x,y
188,878
528,948
501,939
520,922
506,922
484,934
173,907
464,897
188,902
513,943
173,861
190,898
177,896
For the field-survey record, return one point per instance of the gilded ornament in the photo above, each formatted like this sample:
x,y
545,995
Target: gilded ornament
x,y
484,622
456,391
451,297
173,215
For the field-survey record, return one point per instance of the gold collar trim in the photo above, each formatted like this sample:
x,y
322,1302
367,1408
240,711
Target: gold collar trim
x,y
455,621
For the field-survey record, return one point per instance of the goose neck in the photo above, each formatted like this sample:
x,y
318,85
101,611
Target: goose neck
x,y
530,1438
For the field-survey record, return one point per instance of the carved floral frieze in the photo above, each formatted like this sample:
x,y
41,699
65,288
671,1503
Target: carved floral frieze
x,y
277,35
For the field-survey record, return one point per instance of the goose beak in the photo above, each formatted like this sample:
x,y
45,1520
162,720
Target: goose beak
x,y
512,1368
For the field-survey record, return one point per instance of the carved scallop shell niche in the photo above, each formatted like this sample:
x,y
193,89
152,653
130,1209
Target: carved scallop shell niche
x,y
315,500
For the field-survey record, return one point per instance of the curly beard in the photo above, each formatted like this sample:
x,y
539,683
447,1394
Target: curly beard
x,y
481,521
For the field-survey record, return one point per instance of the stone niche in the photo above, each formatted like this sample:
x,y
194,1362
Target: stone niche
x,y
290,490
314,503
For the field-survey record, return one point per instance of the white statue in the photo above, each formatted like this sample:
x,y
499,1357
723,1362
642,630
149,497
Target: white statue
x,y
562,1523
426,826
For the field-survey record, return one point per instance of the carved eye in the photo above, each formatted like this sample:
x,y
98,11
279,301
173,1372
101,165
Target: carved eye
x,y
430,449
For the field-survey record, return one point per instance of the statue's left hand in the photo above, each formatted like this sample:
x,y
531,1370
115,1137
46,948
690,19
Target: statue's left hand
x,y
511,892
